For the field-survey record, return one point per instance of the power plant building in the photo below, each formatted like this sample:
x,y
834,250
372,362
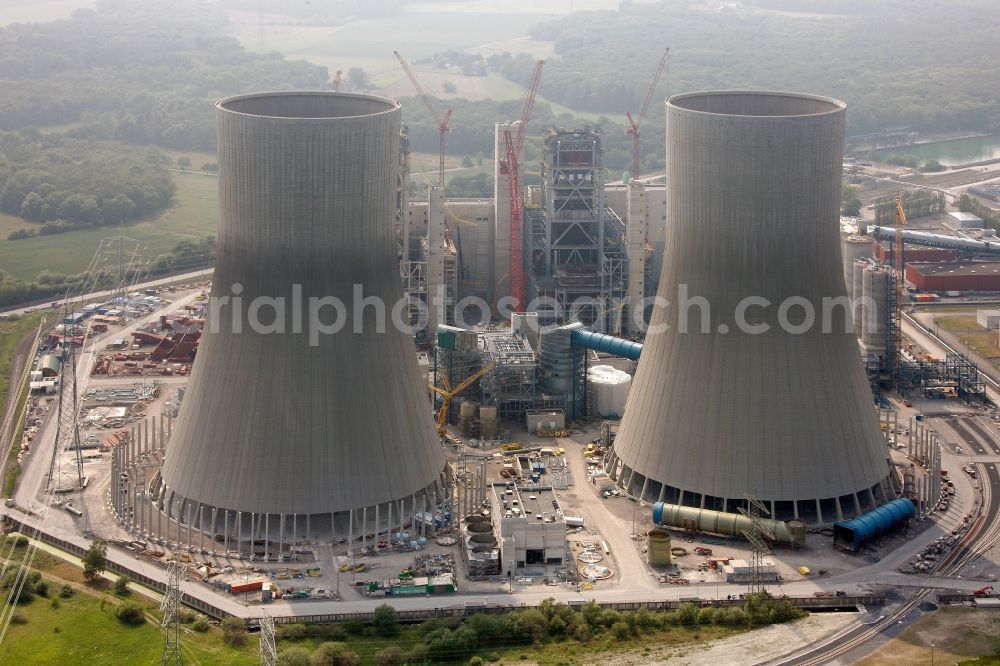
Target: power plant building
x,y
721,407
294,430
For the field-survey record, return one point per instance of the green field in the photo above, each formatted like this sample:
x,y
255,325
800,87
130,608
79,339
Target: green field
x,y
416,33
83,629
194,216
9,223
972,335
12,330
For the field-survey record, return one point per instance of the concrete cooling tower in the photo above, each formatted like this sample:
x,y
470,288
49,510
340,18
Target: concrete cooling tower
x,y
752,399
291,431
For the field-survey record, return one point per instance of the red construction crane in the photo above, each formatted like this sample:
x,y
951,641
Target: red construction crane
x,y
633,127
335,84
512,153
442,121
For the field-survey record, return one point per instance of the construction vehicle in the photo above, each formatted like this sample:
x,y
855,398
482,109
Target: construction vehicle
x,y
633,124
981,592
443,121
447,393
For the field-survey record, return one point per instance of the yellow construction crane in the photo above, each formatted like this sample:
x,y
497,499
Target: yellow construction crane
x,y
447,393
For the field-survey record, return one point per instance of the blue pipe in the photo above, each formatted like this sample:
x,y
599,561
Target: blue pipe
x,y
606,343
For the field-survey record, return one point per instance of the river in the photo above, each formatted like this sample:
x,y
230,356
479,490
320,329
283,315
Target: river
x,y
948,153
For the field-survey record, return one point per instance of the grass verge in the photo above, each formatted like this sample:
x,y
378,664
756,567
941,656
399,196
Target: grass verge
x,y
194,215
11,332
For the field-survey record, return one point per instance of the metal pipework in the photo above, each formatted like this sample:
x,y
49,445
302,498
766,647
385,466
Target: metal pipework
x,y
729,524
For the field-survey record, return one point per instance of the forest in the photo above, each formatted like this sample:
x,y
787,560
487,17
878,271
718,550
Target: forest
x,y
136,72
66,184
927,65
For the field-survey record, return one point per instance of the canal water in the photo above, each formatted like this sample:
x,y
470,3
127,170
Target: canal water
x,y
948,153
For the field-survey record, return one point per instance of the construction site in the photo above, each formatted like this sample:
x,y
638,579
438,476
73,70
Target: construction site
x,y
545,444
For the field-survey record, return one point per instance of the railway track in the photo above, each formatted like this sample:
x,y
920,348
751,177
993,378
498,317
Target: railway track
x,y
981,537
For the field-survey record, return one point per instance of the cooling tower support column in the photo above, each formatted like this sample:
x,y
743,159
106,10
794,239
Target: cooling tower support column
x,y
750,381
306,400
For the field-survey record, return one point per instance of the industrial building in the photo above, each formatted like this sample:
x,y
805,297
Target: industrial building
x,y
301,435
954,276
530,525
596,245
718,413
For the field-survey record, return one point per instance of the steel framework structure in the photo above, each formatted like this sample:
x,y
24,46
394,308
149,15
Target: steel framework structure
x,y
578,253
171,606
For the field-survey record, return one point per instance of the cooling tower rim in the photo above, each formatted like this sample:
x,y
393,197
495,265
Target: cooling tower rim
x,y
681,103
387,105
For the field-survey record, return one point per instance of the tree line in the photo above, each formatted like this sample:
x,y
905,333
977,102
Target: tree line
x,y
894,62
65,184
137,72
456,640
185,256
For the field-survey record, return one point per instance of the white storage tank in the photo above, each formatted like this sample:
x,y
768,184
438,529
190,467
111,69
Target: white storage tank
x,y
608,388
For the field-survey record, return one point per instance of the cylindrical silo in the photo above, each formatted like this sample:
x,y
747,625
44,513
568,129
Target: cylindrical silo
x,y
306,415
875,309
856,293
852,248
748,384
658,548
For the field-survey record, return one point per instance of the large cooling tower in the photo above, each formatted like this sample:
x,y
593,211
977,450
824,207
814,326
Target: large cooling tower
x,y
723,411
304,432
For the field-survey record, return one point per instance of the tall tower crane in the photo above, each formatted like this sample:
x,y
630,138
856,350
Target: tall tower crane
x,y
512,153
634,123
335,83
442,121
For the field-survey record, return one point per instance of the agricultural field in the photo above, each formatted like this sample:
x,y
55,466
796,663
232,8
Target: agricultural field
x,y
194,215
9,223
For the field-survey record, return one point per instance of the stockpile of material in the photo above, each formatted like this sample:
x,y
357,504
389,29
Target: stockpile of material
x,y
608,389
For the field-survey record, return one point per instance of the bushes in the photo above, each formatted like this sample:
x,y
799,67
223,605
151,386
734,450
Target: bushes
x,y
354,627
20,541
293,656
384,620
18,618
621,631
131,614
334,654
66,591
291,632
200,625
448,645
121,585
390,656
234,632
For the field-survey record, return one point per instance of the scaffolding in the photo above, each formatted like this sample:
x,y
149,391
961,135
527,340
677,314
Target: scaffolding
x,y
955,376
512,384
577,258
457,365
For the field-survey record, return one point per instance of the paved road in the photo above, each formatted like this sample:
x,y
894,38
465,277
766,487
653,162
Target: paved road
x,y
35,466
194,275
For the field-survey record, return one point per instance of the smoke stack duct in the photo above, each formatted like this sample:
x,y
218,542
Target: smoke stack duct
x,y
754,199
